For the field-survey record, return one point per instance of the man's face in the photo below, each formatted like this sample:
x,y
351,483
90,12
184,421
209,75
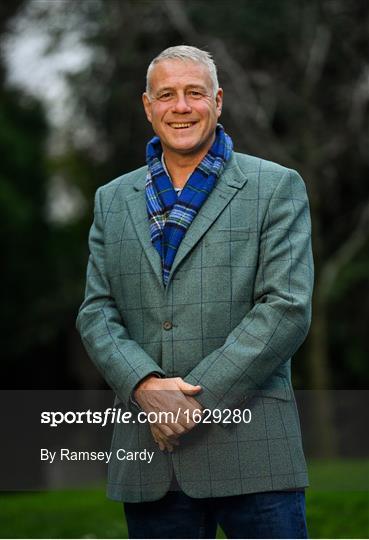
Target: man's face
x,y
181,107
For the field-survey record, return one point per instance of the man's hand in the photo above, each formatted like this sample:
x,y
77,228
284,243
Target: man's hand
x,y
163,442
172,395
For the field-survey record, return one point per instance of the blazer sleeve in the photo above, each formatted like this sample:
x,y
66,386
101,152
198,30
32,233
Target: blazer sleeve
x,y
276,326
120,360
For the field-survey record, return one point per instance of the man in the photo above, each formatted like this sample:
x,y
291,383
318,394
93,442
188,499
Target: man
x,y
198,294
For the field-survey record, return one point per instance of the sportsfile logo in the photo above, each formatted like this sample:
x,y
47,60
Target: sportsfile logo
x,y
102,418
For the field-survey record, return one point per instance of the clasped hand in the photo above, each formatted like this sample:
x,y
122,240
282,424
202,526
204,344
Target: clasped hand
x,y
174,398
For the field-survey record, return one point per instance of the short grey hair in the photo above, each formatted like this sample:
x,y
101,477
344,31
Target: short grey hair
x,y
189,54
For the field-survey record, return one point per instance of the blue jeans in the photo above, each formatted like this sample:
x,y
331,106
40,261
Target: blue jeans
x,y
274,514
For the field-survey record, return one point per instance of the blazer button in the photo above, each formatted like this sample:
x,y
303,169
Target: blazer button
x,y
167,325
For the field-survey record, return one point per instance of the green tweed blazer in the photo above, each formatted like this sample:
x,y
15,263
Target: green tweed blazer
x,y
238,302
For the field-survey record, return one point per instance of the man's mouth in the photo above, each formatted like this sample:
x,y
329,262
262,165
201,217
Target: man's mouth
x,y
181,125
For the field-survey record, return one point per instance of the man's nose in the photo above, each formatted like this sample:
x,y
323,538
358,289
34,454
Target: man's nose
x,y
181,104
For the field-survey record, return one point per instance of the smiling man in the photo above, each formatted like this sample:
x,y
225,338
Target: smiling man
x,y
198,294
183,103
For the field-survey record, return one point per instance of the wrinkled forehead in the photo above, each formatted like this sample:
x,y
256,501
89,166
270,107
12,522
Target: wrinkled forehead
x,y
178,73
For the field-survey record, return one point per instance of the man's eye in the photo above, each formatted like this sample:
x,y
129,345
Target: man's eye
x,y
165,96
195,93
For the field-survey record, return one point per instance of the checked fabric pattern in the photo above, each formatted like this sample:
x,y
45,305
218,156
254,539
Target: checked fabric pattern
x,y
238,297
169,215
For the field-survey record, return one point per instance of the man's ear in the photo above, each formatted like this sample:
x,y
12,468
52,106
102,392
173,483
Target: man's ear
x,y
219,101
147,106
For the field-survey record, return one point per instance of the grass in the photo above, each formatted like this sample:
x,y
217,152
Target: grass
x,y
338,514
337,507
61,514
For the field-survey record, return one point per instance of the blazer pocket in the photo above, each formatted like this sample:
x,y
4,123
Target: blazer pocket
x,y
227,234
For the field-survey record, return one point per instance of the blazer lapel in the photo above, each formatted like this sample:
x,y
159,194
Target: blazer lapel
x,y
231,180
225,189
137,208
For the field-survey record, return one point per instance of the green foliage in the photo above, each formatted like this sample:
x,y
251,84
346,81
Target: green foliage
x,y
24,232
349,333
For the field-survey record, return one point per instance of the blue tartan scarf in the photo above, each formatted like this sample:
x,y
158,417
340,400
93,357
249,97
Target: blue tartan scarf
x,y
169,215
